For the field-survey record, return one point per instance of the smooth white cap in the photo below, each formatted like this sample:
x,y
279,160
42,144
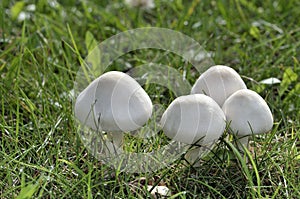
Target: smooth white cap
x,y
115,100
193,118
218,82
246,108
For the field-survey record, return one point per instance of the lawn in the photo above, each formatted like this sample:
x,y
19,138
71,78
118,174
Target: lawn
x,y
42,46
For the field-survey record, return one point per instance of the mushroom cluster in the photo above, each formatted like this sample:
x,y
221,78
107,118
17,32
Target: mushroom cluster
x,y
245,110
218,96
116,103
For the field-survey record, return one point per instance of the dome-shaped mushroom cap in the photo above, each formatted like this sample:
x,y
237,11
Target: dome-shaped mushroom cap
x,y
218,82
248,113
118,102
193,118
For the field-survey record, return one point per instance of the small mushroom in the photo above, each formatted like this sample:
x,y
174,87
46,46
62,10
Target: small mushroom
x,y
193,119
114,102
218,82
248,113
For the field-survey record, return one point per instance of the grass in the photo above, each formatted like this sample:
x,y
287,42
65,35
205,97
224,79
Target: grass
x,y
41,153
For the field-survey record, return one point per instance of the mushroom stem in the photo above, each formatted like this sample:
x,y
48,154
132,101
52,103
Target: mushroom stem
x,y
242,142
242,145
194,155
116,139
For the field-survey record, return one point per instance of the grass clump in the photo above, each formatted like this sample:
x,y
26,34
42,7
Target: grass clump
x,y
42,44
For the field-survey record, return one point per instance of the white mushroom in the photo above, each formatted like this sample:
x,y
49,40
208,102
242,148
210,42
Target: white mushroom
x,y
114,102
218,82
248,113
193,119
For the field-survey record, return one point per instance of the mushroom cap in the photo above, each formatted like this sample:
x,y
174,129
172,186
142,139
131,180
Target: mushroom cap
x,y
113,102
218,82
193,118
248,113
